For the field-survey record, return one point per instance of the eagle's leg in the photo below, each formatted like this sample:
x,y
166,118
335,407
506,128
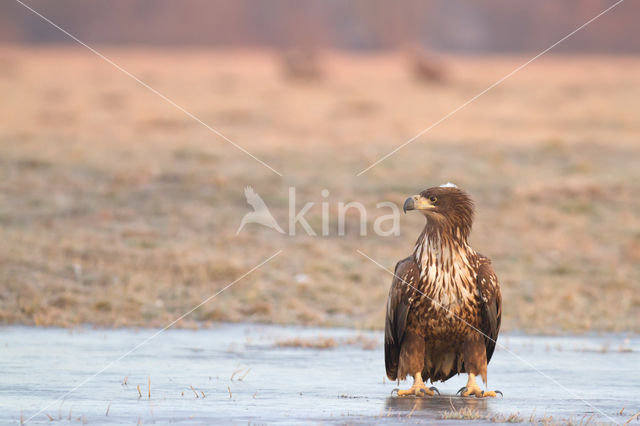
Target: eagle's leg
x,y
411,362
475,359
419,388
472,388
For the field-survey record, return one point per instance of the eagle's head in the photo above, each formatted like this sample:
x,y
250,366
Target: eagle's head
x,y
445,206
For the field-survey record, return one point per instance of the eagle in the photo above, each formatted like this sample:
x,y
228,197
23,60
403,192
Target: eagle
x,y
444,306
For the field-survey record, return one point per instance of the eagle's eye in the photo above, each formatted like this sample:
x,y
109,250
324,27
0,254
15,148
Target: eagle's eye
x,y
433,198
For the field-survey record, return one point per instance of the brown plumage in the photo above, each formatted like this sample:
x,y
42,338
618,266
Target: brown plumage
x,y
444,306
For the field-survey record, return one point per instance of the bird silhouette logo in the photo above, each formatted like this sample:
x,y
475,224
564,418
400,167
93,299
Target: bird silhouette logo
x,y
260,213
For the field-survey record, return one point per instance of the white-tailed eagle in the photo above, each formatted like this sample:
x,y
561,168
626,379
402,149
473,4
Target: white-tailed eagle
x,y
444,306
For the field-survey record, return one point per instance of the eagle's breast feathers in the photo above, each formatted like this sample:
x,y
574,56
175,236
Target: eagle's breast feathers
x,y
446,296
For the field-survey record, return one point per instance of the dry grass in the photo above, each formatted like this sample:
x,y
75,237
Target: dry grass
x,y
469,413
322,342
464,413
318,343
632,418
118,210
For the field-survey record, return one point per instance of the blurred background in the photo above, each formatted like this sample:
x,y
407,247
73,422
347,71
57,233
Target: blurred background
x,y
118,209
447,25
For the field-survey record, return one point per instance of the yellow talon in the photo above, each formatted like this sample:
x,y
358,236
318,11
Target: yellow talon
x,y
418,388
472,388
415,391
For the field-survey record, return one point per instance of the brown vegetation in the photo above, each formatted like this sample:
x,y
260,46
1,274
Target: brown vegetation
x,y
117,209
322,342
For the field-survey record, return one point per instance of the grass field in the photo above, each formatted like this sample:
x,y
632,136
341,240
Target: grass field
x,y
117,209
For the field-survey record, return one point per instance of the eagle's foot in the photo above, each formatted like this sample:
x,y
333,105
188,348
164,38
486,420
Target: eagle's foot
x,y
477,392
417,390
472,388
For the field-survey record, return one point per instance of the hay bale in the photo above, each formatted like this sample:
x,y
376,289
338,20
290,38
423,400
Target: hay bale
x,y
301,65
427,67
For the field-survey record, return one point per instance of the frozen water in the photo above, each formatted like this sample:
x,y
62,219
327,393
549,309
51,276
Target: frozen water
x,y
578,376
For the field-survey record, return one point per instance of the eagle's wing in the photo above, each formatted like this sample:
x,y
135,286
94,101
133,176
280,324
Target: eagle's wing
x,y
398,304
490,304
254,199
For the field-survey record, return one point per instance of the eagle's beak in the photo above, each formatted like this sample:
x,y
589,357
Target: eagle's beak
x,y
416,202
409,204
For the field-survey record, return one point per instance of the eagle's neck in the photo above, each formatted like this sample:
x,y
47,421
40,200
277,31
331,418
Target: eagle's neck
x,y
439,243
